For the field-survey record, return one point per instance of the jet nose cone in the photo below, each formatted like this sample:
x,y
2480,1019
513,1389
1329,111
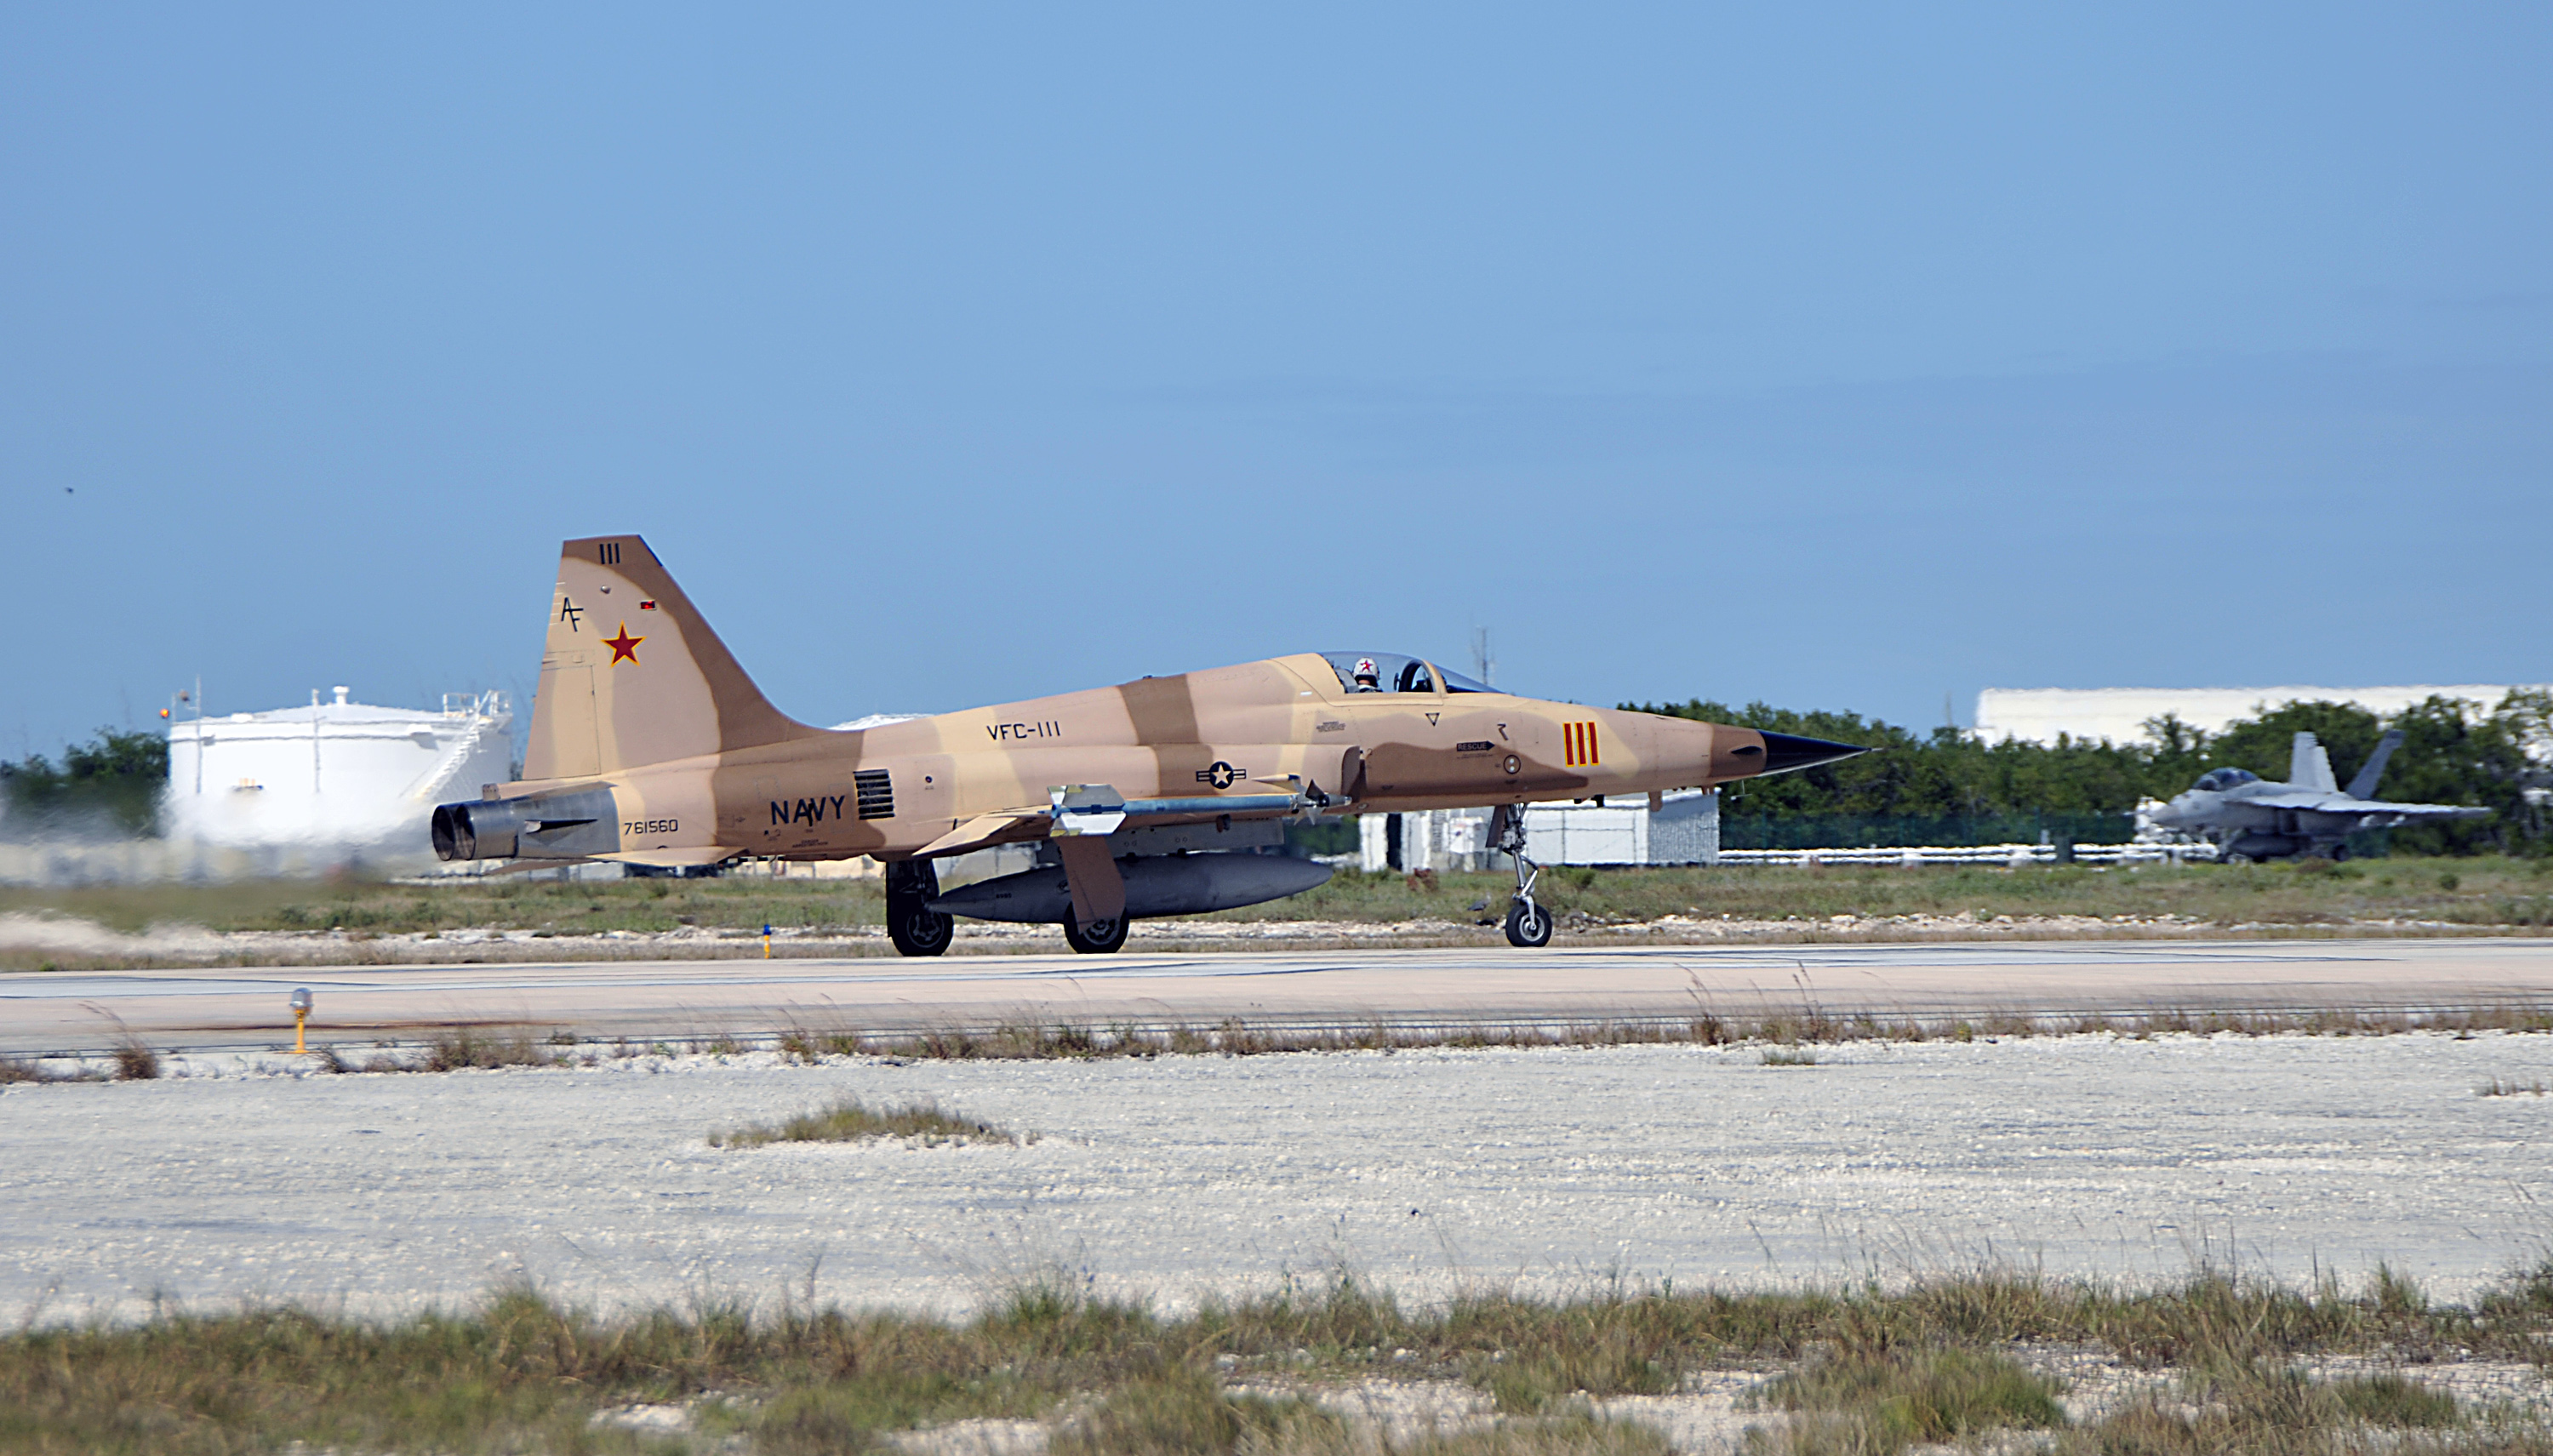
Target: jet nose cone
x,y
1784,753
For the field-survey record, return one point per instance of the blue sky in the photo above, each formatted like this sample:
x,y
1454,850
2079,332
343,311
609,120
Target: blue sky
x,y
1835,357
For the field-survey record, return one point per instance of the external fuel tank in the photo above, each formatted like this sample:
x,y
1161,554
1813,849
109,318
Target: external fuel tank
x,y
1156,885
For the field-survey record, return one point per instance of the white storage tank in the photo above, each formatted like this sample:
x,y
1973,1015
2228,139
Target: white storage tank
x,y
335,783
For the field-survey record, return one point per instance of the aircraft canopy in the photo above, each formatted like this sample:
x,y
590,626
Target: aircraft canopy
x,y
1391,672
2217,780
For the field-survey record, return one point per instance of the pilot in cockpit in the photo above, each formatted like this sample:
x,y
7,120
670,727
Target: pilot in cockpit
x,y
1369,679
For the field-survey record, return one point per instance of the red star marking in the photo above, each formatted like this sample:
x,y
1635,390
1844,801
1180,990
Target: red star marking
x,y
624,647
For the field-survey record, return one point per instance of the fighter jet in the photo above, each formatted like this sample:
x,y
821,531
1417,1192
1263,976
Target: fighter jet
x,y
2251,818
649,745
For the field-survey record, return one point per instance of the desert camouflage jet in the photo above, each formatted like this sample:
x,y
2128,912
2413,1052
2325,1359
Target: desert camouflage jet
x,y
2251,818
649,745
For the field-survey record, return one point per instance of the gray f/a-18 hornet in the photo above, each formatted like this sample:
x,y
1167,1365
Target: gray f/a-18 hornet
x,y
650,746
2251,818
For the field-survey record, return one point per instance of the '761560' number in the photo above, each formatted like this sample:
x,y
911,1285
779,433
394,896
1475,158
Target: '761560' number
x,y
651,827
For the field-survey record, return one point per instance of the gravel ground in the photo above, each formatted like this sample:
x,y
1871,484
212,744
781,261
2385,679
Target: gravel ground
x,y
1550,1170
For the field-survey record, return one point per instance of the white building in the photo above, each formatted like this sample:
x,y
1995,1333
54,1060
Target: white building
x,y
1683,829
2119,714
306,789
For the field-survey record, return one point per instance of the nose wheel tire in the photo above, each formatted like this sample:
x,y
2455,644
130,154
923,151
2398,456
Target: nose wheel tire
x,y
1528,925
1103,936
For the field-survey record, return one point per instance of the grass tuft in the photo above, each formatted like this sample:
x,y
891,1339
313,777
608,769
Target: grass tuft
x,y
461,1047
16,1070
2503,1087
2271,1406
1575,1434
1789,1057
1184,1411
2390,1399
136,1061
1883,1401
851,1120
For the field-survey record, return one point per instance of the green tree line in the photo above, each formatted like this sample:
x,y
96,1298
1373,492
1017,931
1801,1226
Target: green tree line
x,y
1947,786
111,782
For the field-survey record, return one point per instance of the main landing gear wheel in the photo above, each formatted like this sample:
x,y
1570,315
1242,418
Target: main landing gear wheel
x,y
1528,925
914,927
920,932
1103,936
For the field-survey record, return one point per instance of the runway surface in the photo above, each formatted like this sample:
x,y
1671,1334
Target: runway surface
x,y
1546,1171
234,1007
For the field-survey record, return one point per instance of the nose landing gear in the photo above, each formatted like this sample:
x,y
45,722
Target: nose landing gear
x,y
1529,924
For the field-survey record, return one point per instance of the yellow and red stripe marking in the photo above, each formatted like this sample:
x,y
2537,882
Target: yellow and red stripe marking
x,y
1578,745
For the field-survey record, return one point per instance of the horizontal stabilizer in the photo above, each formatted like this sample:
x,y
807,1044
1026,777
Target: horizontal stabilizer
x,y
672,858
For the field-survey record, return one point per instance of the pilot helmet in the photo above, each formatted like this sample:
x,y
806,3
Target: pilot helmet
x,y
1367,674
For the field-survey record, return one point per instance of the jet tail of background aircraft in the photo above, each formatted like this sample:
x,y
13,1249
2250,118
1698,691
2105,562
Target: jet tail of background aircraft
x,y
2309,767
2364,786
632,675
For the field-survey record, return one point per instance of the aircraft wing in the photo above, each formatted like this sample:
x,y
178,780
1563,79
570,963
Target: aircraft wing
x,y
2337,803
2424,811
2328,803
982,830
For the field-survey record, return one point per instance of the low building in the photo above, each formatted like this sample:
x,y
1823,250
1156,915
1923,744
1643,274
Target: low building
x,y
1684,829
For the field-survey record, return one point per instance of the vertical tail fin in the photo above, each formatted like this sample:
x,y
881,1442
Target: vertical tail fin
x,y
631,673
2309,767
2364,786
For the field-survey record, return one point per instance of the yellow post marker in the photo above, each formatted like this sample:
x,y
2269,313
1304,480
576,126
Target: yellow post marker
x,y
766,943
300,1018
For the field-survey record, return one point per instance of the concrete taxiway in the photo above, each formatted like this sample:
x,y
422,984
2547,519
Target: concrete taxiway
x,y
1547,1170
235,1007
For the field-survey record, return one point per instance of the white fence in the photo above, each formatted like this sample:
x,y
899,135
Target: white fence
x,y
2012,854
